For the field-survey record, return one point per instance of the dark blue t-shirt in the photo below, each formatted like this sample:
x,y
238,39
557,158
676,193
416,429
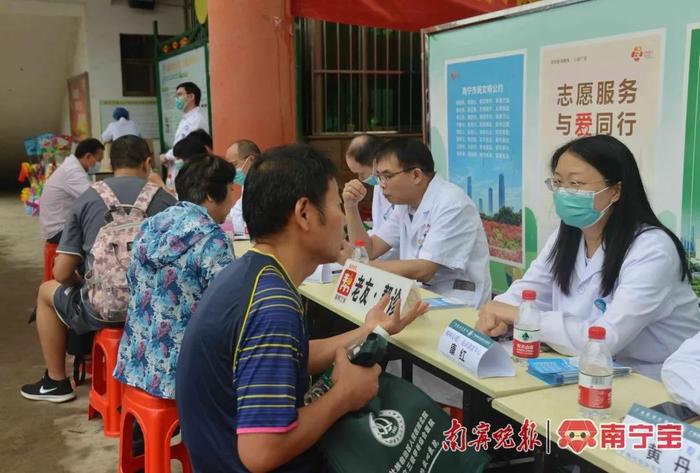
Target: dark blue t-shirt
x,y
243,364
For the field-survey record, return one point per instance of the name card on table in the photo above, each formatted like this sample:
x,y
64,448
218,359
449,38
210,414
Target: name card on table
x,y
474,351
660,442
361,286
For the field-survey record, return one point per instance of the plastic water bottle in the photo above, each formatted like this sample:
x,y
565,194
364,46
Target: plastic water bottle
x,y
595,375
363,353
359,253
526,330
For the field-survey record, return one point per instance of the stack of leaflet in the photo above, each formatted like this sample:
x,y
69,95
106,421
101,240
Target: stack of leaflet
x,y
558,371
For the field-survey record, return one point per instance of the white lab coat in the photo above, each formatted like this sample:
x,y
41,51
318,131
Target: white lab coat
x,y
381,212
236,216
646,318
191,121
681,374
119,128
446,229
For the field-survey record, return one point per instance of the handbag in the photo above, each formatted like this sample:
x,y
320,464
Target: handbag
x,y
401,430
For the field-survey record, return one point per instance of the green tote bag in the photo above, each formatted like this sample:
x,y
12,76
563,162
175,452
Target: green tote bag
x,y
400,431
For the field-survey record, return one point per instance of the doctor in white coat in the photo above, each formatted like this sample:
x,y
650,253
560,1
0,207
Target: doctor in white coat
x,y
438,231
360,160
437,227
681,374
187,98
612,263
242,154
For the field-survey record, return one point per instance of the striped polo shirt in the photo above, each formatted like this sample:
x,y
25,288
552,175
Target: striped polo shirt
x,y
243,365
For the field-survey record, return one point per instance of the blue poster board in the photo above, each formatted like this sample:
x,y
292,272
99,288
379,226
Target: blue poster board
x,y
485,144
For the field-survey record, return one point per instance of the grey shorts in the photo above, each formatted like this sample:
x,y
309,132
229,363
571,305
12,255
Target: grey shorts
x,y
75,312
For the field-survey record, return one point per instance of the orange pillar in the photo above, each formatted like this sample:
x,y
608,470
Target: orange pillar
x,y
251,63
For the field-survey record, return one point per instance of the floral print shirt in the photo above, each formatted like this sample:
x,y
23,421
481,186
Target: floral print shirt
x,y
175,256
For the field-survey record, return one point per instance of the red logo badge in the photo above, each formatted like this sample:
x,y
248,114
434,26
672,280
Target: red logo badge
x,y
577,434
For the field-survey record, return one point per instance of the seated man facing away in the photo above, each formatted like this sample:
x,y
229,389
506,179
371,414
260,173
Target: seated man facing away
x,y
175,256
62,303
245,359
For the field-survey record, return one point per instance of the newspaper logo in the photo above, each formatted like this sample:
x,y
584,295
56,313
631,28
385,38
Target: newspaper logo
x,y
577,434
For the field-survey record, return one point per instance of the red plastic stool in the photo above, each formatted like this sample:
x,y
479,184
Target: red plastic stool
x,y
106,392
158,420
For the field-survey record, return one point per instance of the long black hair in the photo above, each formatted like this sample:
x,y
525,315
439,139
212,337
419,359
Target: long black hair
x,y
630,216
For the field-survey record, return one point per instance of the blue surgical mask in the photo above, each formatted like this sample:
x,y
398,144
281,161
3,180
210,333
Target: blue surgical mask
x,y
178,164
578,209
95,168
179,103
240,177
240,173
372,180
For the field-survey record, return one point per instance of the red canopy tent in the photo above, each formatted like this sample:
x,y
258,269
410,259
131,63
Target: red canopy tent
x,y
407,15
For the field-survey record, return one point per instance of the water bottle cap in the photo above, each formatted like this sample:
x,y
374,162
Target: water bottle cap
x,y
360,243
596,333
529,295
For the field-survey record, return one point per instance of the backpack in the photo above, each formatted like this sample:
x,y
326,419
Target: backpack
x,y
107,289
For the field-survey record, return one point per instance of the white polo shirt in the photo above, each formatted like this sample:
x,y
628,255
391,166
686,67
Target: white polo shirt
x,y
65,185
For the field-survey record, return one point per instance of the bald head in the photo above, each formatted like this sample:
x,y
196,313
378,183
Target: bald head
x,y
242,153
362,149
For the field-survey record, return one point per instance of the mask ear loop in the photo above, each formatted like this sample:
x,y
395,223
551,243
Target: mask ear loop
x,y
602,212
246,162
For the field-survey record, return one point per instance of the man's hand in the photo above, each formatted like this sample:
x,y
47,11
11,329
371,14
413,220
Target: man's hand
x,y
393,323
358,385
353,193
495,318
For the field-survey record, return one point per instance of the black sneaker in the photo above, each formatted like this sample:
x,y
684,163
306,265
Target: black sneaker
x,y
46,389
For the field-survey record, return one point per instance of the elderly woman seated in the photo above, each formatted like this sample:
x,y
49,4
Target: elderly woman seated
x,y
174,258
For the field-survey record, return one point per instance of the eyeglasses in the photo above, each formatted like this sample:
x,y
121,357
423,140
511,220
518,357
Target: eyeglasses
x,y
570,187
384,178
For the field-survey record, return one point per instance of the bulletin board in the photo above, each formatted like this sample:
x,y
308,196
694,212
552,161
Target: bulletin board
x,y
504,90
143,111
